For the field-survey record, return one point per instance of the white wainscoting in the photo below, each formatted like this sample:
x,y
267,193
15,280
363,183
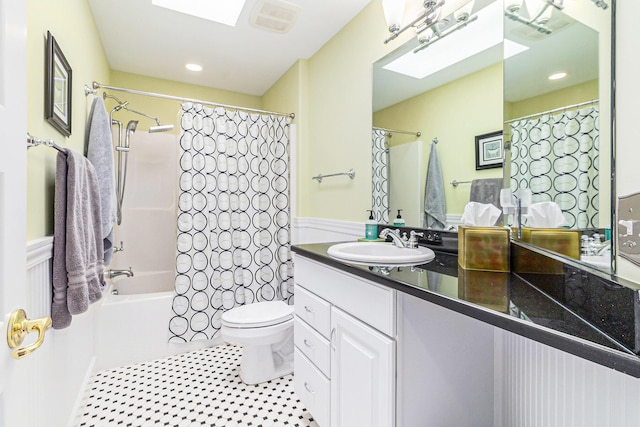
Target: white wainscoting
x,y
544,387
318,230
63,365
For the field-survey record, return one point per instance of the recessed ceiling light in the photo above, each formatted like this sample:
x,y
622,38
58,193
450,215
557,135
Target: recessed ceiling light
x,y
557,76
222,11
193,67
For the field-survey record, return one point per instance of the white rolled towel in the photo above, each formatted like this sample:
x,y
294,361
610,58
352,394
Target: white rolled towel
x,y
480,214
545,215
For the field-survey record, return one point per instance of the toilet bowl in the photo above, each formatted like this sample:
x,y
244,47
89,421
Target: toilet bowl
x,y
265,332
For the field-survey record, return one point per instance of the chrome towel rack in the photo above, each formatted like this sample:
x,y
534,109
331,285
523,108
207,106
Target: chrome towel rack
x,y
350,173
455,182
33,141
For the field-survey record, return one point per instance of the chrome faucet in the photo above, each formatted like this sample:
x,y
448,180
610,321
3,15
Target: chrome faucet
x,y
401,242
395,237
115,273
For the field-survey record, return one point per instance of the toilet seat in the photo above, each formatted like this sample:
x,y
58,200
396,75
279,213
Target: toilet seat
x,y
258,315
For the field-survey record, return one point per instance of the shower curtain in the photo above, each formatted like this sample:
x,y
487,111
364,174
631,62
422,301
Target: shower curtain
x,y
380,176
233,225
557,157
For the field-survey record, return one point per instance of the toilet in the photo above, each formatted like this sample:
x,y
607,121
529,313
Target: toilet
x,y
265,332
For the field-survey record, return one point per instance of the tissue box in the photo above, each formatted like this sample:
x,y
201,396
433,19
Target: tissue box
x,y
483,248
487,288
561,240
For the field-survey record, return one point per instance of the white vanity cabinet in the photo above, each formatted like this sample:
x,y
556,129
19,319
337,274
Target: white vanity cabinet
x,y
345,348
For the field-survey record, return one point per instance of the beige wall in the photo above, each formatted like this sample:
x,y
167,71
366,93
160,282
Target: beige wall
x,y
166,110
557,99
339,119
72,25
450,113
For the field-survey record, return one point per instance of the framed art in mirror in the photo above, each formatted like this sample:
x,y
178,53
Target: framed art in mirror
x,y
489,150
57,87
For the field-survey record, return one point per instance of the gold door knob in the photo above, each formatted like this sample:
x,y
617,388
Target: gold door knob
x,y
19,326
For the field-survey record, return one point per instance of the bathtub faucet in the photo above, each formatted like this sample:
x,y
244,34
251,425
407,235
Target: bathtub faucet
x,y
115,273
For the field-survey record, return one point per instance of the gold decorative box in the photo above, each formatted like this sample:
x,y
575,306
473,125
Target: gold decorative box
x,y
483,248
561,240
487,288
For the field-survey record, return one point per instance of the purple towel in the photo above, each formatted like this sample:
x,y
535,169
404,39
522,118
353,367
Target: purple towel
x,y
78,278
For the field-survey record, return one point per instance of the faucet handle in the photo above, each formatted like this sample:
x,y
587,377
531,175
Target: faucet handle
x,y
413,239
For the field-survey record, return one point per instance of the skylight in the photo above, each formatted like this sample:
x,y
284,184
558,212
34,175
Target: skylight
x,y
477,37
222,11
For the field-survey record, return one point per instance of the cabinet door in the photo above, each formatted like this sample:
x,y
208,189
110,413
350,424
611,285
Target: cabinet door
x,y
362,374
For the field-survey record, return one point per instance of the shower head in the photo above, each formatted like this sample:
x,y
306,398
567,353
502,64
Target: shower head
x,y
132,125
160,128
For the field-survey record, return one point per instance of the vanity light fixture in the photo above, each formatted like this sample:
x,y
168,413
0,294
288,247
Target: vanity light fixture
x,y
533,13
432,12
193,67
600,3
557,76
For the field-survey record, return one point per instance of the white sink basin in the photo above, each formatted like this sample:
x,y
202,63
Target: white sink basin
x,y
377,253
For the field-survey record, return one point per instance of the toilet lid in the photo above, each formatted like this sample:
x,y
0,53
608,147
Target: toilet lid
x,y
258,314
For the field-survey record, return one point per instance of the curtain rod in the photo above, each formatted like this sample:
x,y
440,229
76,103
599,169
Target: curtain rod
x,y
97,85
418,134
580,104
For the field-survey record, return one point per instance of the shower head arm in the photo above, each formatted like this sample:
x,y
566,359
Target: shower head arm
x,y
120,105
142,114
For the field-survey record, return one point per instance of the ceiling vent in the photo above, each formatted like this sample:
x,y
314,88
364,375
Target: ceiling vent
x,y
274,15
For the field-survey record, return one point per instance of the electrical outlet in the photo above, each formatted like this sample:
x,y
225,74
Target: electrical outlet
x,y
628,227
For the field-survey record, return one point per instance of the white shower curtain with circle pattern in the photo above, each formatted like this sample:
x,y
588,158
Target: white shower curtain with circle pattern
x,y
557,157
233,238
380,176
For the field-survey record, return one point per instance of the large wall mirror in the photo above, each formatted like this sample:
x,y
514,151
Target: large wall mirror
x,y
556,133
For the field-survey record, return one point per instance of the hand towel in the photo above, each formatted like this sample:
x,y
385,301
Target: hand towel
x,y
98,140
486,191
60,316
78,278
434,203
545,215
480,214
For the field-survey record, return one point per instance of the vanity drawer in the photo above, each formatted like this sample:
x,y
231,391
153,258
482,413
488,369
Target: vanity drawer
x,y
313,310
372,303
312,388
313,345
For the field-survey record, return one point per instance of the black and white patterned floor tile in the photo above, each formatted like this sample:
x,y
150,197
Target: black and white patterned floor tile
x,y
201,388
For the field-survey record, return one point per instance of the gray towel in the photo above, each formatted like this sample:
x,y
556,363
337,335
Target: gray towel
x,y
434,205
487,191
98,140
78,278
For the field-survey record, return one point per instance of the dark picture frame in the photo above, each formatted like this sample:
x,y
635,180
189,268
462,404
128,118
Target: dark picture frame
x,y
489,150
57,87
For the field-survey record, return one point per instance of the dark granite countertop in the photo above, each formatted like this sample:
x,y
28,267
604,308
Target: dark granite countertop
x,y
573,310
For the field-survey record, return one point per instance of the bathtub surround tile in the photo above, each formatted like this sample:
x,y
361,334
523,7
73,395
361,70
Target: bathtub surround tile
x,y
200,388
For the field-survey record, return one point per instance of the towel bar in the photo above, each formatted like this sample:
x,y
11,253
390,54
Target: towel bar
x,y
455,182
350,173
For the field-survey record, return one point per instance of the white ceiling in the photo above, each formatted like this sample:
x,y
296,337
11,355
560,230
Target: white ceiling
x,y
144,39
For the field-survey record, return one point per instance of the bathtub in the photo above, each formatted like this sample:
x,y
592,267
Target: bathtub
x,y
133,324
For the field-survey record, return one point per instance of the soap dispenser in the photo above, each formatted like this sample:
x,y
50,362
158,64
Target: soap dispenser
x,y
399,221
371,227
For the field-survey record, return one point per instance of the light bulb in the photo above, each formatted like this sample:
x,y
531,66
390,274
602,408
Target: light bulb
x,y
463,13
393,13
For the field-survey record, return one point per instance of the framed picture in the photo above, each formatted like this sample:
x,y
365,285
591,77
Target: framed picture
x,y
57,88
489,150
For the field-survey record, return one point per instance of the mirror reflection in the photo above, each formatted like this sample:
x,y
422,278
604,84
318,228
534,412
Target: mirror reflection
x,y
561,128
